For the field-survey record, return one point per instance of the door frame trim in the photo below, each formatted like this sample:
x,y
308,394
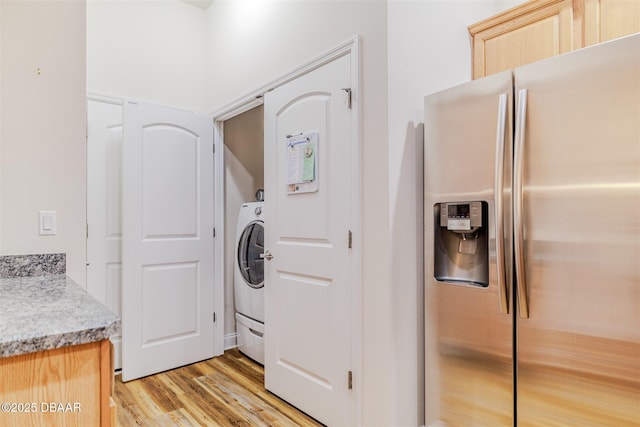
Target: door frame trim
x,y
256,98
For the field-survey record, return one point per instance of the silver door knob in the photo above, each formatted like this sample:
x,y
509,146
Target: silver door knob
x,y
267,255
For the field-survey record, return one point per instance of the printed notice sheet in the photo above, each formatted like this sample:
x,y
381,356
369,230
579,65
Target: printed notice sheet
x,y
302,163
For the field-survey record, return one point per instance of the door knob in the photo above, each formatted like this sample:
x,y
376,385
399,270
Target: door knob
x,y
267,255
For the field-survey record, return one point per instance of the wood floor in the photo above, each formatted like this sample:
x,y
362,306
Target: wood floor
x,y
223,391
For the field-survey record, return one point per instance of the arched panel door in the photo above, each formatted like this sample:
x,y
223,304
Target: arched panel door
x,y
167,222
309,264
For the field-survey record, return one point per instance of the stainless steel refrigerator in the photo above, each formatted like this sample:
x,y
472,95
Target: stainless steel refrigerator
x,y
532,244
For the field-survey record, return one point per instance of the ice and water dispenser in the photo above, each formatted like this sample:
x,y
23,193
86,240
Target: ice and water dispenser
x,y
461,243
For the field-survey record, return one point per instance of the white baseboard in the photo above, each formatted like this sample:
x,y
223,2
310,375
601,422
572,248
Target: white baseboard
x,y
230,341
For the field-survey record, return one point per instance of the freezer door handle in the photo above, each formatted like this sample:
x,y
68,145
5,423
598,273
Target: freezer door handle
x,y
499,208
518,225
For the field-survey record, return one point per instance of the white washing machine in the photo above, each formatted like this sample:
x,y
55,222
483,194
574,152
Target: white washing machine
x,y
249,281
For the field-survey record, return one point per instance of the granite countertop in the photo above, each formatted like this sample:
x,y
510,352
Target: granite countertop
x,y
47,312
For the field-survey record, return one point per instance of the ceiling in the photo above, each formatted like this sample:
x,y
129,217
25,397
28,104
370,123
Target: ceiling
x,y
202,4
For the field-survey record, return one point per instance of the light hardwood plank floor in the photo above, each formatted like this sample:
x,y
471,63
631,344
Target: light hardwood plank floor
x,y
223,391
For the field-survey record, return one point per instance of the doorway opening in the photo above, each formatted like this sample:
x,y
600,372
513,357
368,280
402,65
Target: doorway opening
x,y
243,182
347,92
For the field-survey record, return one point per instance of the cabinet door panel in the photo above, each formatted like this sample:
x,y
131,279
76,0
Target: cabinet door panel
x,y
525,34
610,19
536,41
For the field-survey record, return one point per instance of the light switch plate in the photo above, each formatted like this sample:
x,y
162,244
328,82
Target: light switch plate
x,y
47,223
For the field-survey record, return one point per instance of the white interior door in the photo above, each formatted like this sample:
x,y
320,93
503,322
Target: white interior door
x,y
104,228
167,316
308,282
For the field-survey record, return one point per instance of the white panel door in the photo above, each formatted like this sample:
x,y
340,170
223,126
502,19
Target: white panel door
x,y
167,317
309,279
104,230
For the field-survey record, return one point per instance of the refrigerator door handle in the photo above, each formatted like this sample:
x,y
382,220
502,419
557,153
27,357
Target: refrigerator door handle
x,y
518,226
499,209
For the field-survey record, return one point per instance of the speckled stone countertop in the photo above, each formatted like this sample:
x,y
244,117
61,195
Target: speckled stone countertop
x,y
46,312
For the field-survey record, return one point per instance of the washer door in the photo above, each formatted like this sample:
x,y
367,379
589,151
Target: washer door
x,y
250,249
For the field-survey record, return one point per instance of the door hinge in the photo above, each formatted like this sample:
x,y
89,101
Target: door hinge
x,y
214,148
214,317
350,380
214,232
349,96
87,230
350,239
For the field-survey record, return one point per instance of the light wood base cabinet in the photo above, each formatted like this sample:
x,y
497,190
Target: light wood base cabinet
x,y
539,29
69,386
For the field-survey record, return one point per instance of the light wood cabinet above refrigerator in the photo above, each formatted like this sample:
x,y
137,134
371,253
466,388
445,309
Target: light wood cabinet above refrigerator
x,y
539,29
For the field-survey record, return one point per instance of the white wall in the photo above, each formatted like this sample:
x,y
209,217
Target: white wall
x,y
150,50
42,139
429,50
252,43
1,66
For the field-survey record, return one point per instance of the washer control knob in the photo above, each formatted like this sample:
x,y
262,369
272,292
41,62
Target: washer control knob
x,y
258,210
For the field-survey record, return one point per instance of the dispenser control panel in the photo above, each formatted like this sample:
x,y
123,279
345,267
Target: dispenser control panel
x,y
461,216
